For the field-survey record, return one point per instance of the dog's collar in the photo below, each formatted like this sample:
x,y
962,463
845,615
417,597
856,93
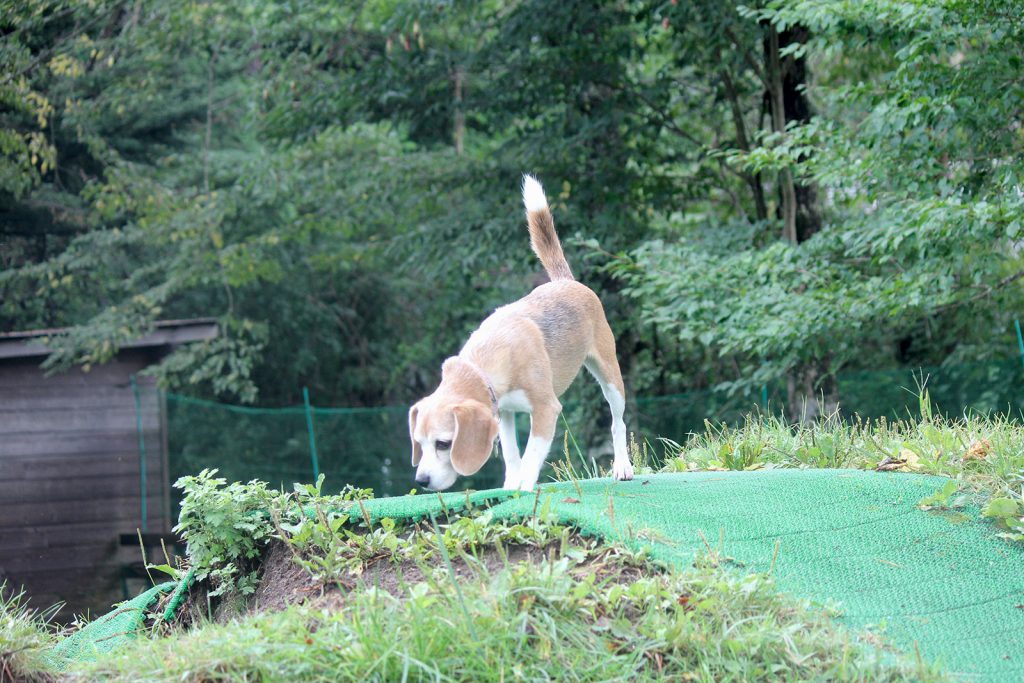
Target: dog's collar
x,y
487,382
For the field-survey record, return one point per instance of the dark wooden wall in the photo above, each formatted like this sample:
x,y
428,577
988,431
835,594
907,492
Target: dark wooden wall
x,y
69,479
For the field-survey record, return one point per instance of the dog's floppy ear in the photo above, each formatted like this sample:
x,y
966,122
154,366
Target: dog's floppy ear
x,y
417,452
475,430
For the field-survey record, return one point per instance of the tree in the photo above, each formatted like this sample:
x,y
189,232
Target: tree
x,y
760,194
922,175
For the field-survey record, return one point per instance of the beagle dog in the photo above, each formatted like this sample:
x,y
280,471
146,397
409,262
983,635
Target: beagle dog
x,y
520,359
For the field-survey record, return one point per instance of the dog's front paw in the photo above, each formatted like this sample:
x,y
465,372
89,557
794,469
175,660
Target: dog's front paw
x,y
622,471
526,483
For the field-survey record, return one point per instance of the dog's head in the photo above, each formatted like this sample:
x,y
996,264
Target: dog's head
x,y
452,430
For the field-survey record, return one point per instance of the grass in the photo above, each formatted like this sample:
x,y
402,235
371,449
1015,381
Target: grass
x,y
570,616
24,640
986,453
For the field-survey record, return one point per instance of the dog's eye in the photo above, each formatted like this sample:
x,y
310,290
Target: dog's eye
x,y
442,445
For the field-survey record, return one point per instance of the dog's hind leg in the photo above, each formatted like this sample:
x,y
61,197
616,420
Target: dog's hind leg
x,y
604,366
509,448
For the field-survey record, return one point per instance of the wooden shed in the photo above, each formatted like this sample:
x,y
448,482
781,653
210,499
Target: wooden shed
x,y
71,466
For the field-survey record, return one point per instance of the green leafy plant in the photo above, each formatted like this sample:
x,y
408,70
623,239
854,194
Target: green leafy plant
x,y
1007,514
944,498
226,526
330,543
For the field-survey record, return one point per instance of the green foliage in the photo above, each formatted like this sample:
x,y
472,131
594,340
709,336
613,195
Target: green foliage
x,y
184,212
330,545
228,526
318,531
304,173
943,498
26,152
1000,508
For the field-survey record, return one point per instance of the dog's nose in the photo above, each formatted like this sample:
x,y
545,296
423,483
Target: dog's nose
x,y
423,480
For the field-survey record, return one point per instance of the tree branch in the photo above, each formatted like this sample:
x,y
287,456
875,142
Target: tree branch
x,y
662,117
747,58
753,180
986,290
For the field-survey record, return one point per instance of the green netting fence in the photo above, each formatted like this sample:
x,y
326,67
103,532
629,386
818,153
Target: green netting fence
x,y
368,447
988,388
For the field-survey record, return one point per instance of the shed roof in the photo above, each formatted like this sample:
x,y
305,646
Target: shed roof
x,y
26,343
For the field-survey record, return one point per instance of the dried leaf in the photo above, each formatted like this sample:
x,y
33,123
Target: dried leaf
x,y
978,450
910,459
890,465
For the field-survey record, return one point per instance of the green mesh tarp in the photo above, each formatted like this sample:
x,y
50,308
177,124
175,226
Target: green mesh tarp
x,y
423,505
120,625
856,538
944,583
109,632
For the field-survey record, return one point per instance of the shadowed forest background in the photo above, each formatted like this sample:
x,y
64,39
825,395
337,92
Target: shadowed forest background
x,y
761,193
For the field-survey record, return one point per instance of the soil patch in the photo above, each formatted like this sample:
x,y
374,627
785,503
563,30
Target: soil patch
x,y
283,582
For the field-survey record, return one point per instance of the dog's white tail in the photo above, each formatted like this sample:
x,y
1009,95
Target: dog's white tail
x,y
543,237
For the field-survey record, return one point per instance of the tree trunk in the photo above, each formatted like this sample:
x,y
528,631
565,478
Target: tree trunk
x,y
811,391
787,99
797,107
779,126
811,388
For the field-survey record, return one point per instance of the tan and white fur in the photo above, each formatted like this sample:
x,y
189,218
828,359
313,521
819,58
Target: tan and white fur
x,y
521,359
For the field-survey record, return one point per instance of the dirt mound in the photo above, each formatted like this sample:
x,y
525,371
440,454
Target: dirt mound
x,y
283,582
